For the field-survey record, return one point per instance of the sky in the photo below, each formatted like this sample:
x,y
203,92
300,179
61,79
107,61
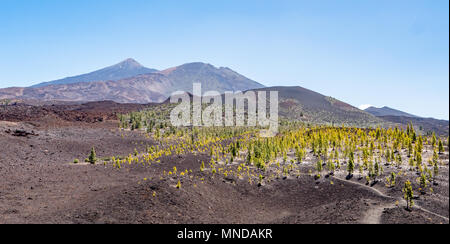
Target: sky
x,y
364,52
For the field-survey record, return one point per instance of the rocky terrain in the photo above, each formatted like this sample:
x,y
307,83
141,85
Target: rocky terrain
x,y
41,183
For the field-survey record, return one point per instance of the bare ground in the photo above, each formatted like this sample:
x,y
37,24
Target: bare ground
x,y
40,184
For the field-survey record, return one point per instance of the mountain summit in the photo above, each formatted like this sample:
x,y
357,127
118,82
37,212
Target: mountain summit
x,y
125,69
129,64
211,78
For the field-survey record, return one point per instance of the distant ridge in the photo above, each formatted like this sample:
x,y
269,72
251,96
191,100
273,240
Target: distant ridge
x,y
301,104
387,111
125,69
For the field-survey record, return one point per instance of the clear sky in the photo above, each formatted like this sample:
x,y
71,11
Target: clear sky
x,y
393,52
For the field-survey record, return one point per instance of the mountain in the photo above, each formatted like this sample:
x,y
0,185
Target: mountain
x,y
125,69
144,88
387,111
139,89
423,125
300,104
211,78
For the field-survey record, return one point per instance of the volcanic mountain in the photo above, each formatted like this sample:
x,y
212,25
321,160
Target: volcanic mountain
x,y
125,69
152,86
212,78
139,89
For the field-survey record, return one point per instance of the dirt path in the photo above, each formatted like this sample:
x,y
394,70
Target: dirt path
x,y
379,193
373,215
427,211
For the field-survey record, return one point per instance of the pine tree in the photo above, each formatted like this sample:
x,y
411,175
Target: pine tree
x,y
299,154
202,167
331,166
435,157
392,179
399,160
433,140
408,195
411,162
319,166
441,146
249,157
388,155
351,164
419,158
92,156
423,182
410,148
435,171
377,169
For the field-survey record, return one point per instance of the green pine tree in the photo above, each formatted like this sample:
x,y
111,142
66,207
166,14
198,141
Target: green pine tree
x,y
92,156
441,146
408,195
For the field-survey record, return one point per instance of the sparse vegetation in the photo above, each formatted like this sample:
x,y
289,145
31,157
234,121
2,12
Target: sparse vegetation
x,y
238,155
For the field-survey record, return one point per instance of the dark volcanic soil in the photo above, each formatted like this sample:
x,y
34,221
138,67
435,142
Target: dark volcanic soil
x,y
57,115
40,184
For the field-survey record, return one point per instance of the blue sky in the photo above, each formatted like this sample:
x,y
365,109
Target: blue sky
x,y
377,52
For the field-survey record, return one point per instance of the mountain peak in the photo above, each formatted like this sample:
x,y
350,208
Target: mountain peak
x,y
188,67
196,65
125,69
129,63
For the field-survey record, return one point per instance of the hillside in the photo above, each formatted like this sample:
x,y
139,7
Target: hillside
x,y
298,103
387,111
425,125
